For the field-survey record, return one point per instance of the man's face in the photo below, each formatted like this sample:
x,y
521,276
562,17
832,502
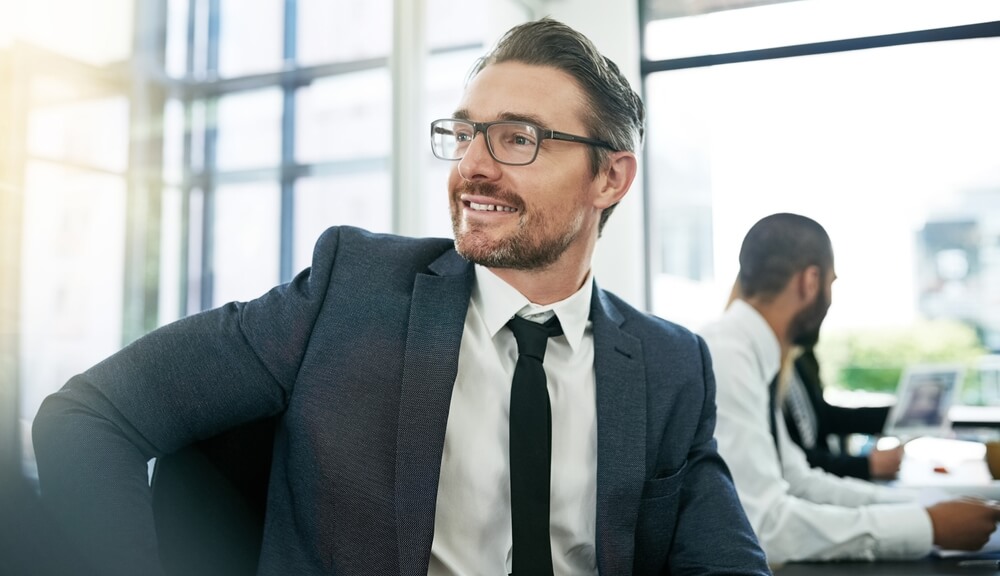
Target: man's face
x,y
806,324
524,217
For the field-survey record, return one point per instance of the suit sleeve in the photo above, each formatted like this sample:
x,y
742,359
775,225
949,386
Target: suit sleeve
x,y
184,382
865,420
839,464
713,533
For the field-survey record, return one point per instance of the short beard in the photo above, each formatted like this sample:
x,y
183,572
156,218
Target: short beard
x,y
806,324
522,251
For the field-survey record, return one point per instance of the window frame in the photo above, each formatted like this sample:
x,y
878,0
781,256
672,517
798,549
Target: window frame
x,y
649,66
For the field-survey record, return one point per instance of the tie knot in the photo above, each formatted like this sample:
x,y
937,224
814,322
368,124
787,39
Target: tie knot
x,y
532,337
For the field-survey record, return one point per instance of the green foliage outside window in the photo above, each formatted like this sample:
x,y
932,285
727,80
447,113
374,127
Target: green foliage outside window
x,y
873,360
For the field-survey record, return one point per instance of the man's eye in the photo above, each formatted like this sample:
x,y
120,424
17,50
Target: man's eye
x,y
522,140
463,136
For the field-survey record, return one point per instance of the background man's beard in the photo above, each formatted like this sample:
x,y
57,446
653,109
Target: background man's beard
x,y
807,339
806,324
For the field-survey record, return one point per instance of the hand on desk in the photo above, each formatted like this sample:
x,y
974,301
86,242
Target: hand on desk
x,y
884,464
964,524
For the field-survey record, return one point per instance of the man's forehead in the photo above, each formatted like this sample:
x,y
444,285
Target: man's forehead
x,y
540,95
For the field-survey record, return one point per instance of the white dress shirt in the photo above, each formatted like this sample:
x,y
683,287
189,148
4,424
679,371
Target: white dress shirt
x,y
798,512
472,525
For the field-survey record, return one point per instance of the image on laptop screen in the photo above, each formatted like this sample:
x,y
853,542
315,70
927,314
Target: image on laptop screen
x,y
923,397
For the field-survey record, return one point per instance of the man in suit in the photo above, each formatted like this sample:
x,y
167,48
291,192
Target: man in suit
x,y
389,362
798,512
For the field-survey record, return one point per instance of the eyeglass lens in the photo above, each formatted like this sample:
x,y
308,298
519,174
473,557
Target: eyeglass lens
x,y
509,142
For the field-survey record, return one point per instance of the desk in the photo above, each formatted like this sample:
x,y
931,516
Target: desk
x,y
966,475
974,416
930,565
955,467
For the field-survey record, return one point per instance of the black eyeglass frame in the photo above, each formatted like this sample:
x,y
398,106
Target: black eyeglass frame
x,y
543,134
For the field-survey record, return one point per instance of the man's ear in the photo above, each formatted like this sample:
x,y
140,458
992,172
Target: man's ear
x,y
810,283
616,178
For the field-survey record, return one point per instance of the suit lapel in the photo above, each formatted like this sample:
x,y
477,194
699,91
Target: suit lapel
x,y
621,435
437,319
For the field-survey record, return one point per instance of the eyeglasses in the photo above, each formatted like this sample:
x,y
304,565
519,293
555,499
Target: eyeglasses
x,y
509,142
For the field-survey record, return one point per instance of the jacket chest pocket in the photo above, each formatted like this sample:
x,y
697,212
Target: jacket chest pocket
x,y
664,486
657,521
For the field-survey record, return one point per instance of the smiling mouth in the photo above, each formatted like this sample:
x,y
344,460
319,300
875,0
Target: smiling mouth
x,y
489,207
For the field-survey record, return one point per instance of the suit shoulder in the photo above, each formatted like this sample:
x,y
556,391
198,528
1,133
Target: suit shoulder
x,y
380,246
645,324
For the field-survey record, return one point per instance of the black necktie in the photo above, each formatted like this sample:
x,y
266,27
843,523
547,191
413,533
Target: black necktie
x,y
530,448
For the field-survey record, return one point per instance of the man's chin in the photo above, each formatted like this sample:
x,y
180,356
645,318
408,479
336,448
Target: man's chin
x,y
472,244
479,250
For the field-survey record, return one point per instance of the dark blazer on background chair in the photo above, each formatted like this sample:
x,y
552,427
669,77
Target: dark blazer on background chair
x,y
833,420
356,357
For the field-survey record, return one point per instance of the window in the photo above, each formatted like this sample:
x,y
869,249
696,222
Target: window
x,y
72,275
885,140
345,117
343,30
250,36
63,172
170,157
245,259
248,130
360,199
295,99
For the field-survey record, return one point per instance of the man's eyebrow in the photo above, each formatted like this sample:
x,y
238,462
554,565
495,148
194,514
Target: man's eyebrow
x,y
529,118
463,114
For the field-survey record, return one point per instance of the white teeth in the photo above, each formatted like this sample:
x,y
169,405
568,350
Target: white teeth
x,y
490,207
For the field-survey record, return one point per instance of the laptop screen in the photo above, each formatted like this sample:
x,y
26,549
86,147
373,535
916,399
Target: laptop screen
x,y
923,397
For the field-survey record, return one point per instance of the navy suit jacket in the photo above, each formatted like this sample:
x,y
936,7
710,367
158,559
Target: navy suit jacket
x,y
358,354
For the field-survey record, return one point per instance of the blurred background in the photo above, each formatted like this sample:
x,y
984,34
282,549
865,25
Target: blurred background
x,y
161,157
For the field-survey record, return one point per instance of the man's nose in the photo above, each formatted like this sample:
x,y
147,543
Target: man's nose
x,y
477,163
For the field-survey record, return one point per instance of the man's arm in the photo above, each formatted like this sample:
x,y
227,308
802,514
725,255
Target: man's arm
x,y
841,420
797,512
839,464
182,383
94,437
713,534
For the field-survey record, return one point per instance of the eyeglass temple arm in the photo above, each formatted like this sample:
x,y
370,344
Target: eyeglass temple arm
x,y
553,135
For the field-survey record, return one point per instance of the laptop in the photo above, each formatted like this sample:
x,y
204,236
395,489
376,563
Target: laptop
x,y
923,397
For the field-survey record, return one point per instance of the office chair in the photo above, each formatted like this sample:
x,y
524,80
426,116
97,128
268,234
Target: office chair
x,y
209,501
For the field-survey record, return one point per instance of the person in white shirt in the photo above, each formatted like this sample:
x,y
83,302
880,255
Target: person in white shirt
x,y
798,512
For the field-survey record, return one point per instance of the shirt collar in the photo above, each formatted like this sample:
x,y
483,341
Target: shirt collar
x,y
765,343
498,301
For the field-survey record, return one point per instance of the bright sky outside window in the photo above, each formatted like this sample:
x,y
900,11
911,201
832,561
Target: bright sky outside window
x,y
806,21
